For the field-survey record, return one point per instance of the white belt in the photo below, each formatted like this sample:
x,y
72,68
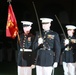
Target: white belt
x,y
26,50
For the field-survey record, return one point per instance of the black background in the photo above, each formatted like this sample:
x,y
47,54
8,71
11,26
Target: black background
x,y
24,10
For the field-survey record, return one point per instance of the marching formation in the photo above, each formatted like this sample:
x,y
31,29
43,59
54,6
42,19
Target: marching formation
x,y
40,51
44,50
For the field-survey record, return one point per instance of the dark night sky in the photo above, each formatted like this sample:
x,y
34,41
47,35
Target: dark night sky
x,y
65,10
24,10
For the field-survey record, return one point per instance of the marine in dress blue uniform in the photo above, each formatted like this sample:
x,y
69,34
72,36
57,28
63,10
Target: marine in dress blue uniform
x,y
69,51
48,49
25,59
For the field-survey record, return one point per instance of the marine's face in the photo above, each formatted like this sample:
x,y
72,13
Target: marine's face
x,y
70,32
46,27
26,29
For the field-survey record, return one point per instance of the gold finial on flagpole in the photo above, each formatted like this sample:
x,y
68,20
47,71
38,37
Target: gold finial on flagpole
x,y
9,1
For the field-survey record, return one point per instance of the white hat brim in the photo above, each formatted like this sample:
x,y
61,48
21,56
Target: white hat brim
x,y
26,22
70,27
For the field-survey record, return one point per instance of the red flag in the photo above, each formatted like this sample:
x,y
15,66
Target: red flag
x,y
11,26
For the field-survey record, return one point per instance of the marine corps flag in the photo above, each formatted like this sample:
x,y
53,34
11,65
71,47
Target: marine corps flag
x,y
11,26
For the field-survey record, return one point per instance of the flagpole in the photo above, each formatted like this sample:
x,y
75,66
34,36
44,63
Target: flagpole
x,y
18,36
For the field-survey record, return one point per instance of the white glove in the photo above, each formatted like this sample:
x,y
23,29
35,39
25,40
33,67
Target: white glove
x,y
55,64
66,41
40,41
32,66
